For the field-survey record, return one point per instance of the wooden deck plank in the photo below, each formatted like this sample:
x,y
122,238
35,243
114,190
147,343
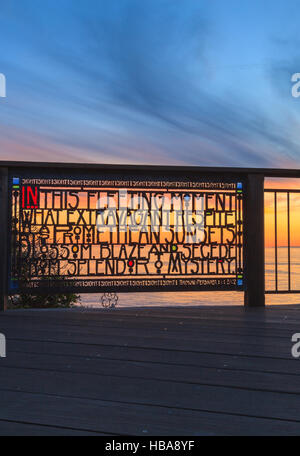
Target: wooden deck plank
x,y
129,419
188,331
13,427
252,363
200,375
233,400
205,344
244,321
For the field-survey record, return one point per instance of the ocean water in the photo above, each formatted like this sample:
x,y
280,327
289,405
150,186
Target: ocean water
x,y
193,298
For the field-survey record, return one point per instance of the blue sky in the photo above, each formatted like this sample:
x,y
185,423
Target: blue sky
x,y
150,81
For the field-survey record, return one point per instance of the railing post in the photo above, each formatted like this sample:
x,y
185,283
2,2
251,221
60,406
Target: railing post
x,y
3,236
254,253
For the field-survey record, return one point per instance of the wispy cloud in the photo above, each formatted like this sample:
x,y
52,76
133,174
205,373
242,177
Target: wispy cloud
x,y
132,81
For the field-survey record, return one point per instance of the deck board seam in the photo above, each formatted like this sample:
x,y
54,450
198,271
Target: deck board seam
x,y
145,404
162,349
125,360
57,426
153,379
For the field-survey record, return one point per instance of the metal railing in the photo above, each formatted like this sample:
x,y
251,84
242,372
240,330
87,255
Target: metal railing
x,y
287,193
252,180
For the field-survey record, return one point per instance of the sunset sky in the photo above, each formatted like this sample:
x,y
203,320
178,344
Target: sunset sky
x,y
160,81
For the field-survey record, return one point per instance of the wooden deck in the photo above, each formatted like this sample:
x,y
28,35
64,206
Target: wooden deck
x,y
159,371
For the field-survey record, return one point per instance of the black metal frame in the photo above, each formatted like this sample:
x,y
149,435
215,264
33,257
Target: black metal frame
x,y
151,282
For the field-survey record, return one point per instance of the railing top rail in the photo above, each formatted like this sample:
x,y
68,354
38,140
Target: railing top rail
x,y
281,190
267,172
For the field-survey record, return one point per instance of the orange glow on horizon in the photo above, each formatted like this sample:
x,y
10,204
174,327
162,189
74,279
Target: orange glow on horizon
x,y
282,221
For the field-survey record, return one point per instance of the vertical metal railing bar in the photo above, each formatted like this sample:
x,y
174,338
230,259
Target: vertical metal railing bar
x,y
276,256
237,237
289,241
241,238
239,216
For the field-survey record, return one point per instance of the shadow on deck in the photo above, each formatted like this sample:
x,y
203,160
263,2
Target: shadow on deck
x,y
193,371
